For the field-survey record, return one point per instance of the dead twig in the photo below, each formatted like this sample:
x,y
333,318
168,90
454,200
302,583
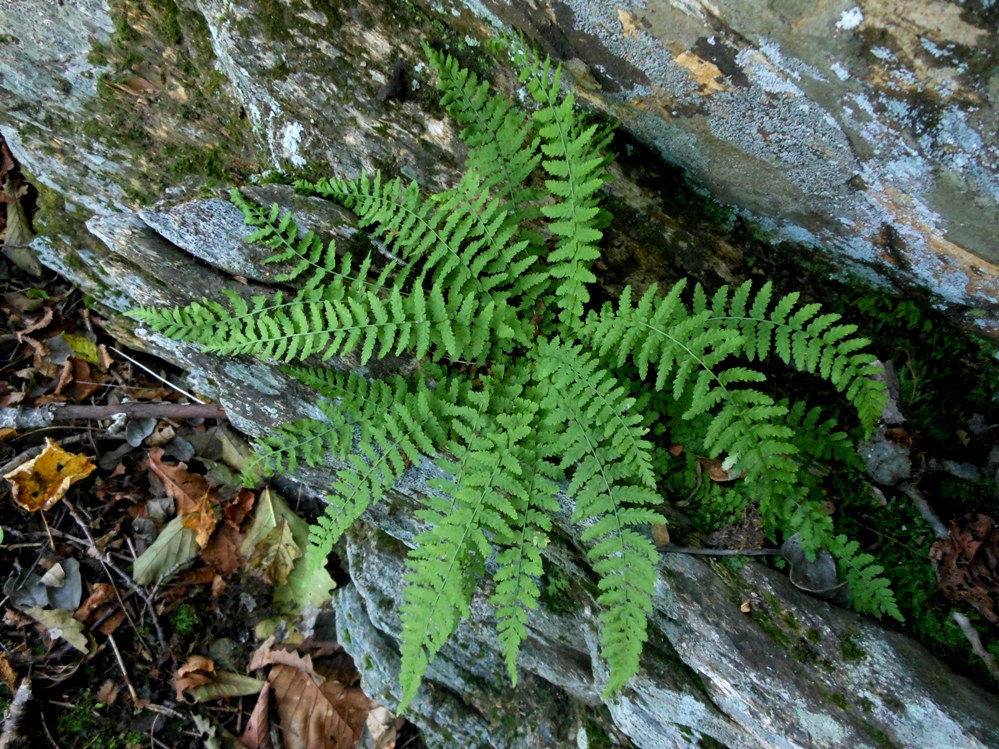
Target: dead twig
x,y
159,377
33,418
719,552
910,490
976,644
124,671
12,718
105,560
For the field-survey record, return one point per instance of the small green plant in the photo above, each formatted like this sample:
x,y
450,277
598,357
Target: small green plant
x,y
185,620
519,387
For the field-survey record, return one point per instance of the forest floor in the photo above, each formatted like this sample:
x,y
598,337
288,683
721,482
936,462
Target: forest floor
x,y
143,584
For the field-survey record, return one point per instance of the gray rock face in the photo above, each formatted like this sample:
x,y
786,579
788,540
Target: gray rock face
x,y
867,126
746,97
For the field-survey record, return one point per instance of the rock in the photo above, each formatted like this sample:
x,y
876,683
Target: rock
x,y
868,129
213,90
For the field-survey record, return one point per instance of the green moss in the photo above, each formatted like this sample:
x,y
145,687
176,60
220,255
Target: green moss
x,y
850,651
707,742
840,701
200,138
184,620
557,592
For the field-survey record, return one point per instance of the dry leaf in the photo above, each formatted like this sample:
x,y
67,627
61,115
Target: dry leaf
x,y
226,684
201,520
310,713
60,623
266,655
175,545
185,488
40,483
716,470
18,234
108,693
222,551
381,727
660,534
101,594
274,555
258,728
7,675
967,564
239,507
195,671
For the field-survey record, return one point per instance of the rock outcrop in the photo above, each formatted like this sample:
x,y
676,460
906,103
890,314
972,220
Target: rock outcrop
x,y
113,110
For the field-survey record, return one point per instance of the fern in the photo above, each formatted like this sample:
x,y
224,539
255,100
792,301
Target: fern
x,y
516,386
576,170
613,485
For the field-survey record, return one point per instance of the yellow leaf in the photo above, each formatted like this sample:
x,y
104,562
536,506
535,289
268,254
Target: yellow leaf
x,y
60,623
174,546
275,553
83,348
40,483
202,520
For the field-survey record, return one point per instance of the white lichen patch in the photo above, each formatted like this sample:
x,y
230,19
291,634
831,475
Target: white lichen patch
x,y
841,72
850,19
291,143
763,73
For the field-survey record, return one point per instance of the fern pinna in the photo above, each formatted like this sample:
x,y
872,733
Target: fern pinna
x,y
520,388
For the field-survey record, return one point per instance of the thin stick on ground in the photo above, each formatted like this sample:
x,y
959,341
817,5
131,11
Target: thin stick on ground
x,y
124,671
34,418
10,735
108,565
976,644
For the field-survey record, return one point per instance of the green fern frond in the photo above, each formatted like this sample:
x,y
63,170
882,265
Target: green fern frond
x,y
512,401
801,338
576,171
448,556
868,590
308,440
461,238
518,561
502,142
455,326
611,483
301,252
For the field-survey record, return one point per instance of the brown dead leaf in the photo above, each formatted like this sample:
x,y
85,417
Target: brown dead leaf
x,y
201,520
194,672
316,701
967,564
222,551
109,625
311,714
185,488
40,483
258,728
660,534
100,594
716,470
7,161
267,654
7,675
239,507
108,693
